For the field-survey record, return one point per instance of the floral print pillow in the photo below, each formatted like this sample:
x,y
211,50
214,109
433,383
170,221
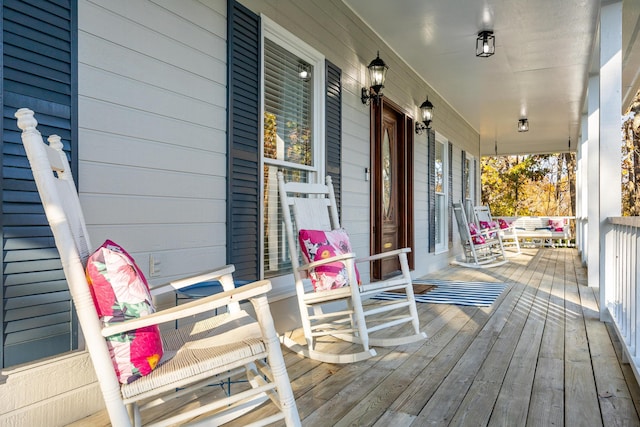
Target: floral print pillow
x,y
556,224
489,225
476,237
317,245
121,292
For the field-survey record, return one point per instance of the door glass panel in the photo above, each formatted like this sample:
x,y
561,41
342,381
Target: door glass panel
x,y
386,175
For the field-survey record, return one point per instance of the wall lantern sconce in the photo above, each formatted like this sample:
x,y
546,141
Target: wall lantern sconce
x,y
523,125
426,113
485,44
377,75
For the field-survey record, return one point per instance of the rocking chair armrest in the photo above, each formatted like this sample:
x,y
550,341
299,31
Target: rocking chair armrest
x,y
383,255
486,232
215,274
249,291
336,258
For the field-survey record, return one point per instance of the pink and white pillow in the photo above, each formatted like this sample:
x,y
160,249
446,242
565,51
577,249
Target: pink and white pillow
x,y
503,223
476,237
317,245
556,224
120,292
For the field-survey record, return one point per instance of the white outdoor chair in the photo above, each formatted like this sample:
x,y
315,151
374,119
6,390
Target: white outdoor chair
x,y
313,207
509,235
204,351
480,250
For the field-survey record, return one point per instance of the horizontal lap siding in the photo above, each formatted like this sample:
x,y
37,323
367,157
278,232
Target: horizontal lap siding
x,y
38,72
153,130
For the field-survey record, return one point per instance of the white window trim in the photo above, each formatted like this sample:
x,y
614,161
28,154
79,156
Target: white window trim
x,y
282,285
443,246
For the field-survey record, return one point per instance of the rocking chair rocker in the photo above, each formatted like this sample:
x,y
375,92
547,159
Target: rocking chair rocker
x,y
203,352
481,249
310,211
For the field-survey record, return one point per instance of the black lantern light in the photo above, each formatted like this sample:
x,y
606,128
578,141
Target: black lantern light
x,y
426,113
485,44
377,75
523,125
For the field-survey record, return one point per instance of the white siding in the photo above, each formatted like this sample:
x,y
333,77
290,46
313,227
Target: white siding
x,y
152,85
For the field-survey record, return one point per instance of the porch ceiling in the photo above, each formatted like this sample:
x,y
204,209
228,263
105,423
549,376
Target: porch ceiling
x,y
539,71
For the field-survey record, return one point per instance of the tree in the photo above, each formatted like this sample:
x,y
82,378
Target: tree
x,y
631,160
511,184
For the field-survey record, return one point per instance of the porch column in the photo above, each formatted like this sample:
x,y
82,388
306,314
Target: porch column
x,y
610,137
582,193
593,182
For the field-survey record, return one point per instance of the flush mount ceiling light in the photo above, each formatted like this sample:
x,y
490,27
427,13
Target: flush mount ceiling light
x,y
426,113
377,75
485,44
523,125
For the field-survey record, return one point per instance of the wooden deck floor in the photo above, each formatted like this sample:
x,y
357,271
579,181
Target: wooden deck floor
x,y
538,356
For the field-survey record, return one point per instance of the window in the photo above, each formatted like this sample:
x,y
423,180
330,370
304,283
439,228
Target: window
x,y
469,185
292,139
441,189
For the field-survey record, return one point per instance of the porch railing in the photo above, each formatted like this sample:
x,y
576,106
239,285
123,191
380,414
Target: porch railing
x,y
622,277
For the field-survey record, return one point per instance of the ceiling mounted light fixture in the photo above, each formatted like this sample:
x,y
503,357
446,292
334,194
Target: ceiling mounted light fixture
x,y
523,125
377,75
485,44
426,113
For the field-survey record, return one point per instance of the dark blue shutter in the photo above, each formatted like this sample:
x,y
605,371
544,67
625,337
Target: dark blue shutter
x,y
333,117
244,174
431,161
464,180
473,180
450,201
39,71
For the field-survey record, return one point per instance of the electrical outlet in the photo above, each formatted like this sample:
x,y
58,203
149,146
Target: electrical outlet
x,y
154,266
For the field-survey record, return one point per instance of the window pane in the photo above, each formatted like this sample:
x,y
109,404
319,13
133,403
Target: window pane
x,y
439,167
276,250
439,218
467,178
288,96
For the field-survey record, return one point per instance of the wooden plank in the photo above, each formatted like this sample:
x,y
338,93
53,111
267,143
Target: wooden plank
x,y
445,401
512,402
616,405
581,400
546,405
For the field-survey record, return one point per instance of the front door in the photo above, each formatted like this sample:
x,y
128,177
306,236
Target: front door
x,y
391,187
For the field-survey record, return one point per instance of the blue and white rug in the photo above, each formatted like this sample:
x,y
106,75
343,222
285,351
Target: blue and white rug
x,y
477,294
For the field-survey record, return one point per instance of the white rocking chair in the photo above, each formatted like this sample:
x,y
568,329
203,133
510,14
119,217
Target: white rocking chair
x,y
481,250
509,234
204,352
313,207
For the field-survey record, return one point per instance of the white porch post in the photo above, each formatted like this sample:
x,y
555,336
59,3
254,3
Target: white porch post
x,y
593,182
582,193
610,203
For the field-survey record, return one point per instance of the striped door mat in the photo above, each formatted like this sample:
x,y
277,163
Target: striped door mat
x,y
477,294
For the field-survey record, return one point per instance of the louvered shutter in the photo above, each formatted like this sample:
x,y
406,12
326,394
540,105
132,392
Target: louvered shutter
x,y
243,98
450,201
431,141
39,71
333,117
